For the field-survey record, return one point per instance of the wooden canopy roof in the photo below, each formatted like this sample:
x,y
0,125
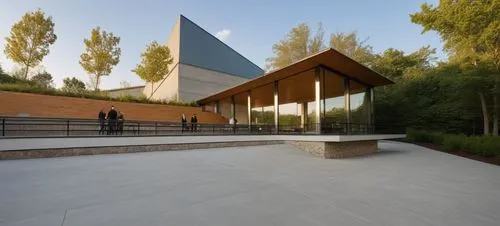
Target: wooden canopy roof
x,y
329,59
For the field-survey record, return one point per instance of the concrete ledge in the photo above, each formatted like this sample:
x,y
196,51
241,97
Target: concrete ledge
x,y
61,152
335,150
9,144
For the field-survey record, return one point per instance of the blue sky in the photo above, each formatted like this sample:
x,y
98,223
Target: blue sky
x,y
252,27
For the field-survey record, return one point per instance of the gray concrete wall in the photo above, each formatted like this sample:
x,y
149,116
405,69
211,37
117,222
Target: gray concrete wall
x,y
167,88
196,83
132,91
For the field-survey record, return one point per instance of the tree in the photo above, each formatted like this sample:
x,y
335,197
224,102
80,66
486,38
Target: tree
x,y
101,54
30,39
469,30
395,63
73,85
297,44
44,79
154,63
351,46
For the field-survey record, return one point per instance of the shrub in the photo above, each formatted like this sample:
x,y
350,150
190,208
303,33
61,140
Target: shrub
x,y
453,142
424,136
487,146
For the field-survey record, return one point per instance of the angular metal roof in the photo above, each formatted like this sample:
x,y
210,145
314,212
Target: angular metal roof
x,y
201,49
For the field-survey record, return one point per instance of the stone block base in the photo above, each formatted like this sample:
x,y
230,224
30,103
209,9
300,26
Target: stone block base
x,y
335,150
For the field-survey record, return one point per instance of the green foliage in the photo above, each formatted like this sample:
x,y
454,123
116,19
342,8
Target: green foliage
x,y
441,99
351,46
395,63
154,63
290,120
101,54
424,136
5,78
454,142
73,85
297,44
30,39
263,117
487,146
300,43
43,79
469,29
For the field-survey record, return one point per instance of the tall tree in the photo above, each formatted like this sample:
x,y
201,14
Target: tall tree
x,y
154,64
101,54
30,39
44,79
395,63
73,85
297,44
469,30
351,46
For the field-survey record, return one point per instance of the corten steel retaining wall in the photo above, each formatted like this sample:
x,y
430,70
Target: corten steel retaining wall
x,y
36,105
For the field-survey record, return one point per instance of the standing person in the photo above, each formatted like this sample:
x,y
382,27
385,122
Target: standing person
x,y
102,121
234,126
112,116
121,121
184,123
194,122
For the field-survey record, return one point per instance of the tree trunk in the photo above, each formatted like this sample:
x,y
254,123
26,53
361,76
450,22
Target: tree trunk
x,y
495,115
486,119
26,72
150,96
97,78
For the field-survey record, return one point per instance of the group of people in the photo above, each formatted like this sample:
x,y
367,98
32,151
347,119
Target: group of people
x,y
114,119
194,123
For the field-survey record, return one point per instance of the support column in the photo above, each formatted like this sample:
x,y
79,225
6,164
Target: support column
x,y
317,98
217,107
372,109
347,105
249,111
303,116
276,107
233,108
368,105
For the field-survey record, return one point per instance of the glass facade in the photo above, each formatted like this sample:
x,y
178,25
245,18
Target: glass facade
x,y
344,105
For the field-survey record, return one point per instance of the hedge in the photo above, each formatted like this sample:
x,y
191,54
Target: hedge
x,y
487,146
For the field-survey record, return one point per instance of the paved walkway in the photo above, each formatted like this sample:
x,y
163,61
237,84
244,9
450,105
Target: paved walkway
x,y
262,185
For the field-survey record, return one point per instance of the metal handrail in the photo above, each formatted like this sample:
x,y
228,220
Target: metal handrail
x,y
49,127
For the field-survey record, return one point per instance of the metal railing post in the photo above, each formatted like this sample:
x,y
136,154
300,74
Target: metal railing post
x,y
156,128
138,128
3,127
67,128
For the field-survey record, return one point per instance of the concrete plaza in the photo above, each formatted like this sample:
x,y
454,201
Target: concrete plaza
x,y
260,185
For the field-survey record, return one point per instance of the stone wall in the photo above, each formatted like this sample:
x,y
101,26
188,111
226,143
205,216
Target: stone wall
x,y
335,150
62,152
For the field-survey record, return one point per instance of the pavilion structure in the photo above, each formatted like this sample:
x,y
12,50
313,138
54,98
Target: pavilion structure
x,y
326,93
